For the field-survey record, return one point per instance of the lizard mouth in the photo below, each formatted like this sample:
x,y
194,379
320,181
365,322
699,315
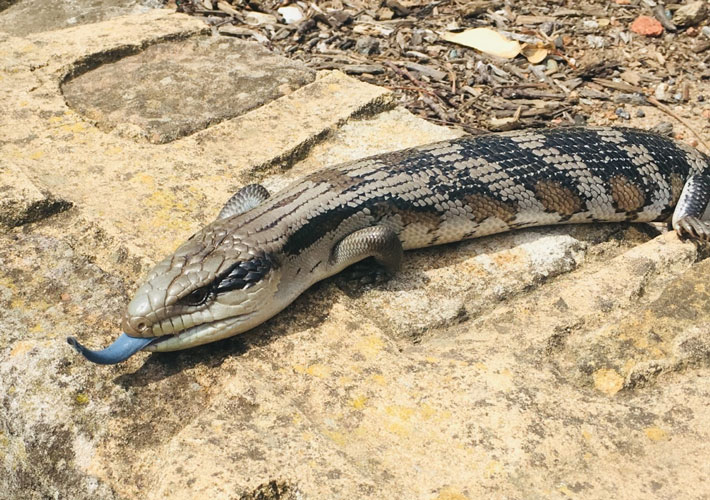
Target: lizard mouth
x,y
126,346
199,334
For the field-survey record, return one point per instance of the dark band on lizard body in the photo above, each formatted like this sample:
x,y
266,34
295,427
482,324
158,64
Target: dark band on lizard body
x,y
262,252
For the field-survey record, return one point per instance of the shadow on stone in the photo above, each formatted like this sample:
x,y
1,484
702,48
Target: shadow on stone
x,y
4,4
309,311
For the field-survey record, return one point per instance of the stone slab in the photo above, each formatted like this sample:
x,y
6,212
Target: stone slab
x,y
138,195
549,363
21,202
31,16
174,89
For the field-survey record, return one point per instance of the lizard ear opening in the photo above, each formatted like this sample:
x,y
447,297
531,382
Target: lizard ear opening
x,y
245,274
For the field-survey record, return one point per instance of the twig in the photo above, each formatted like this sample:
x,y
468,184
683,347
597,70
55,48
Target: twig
x,y
673,114
406,74
468,128
435,108
410,88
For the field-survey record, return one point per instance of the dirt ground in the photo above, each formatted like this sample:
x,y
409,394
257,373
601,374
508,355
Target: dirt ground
x,y
600,67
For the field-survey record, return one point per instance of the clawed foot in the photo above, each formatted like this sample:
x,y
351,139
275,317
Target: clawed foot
x,y
693,228
366,272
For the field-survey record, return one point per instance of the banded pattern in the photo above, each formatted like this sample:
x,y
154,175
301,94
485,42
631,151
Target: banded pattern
x,y
476,186
262,252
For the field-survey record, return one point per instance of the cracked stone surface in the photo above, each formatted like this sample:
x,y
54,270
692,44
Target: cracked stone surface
x,y
547,363
21,201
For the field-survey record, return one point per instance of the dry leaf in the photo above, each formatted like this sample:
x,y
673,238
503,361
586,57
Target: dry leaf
x,y
486,40
534,54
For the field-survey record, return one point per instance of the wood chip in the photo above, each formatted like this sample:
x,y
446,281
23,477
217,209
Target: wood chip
x,y
474,9
523,19
701,46
425,70
622,86
359,69
230,30
631,77
225,7
568,12
593,94
454,84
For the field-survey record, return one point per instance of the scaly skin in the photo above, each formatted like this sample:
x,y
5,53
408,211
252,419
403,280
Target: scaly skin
x,y
264,252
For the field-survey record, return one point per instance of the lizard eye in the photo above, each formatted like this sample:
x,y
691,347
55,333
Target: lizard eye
x,y
196,297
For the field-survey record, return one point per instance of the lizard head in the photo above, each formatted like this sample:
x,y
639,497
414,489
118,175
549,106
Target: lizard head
x,y
216,284
202,293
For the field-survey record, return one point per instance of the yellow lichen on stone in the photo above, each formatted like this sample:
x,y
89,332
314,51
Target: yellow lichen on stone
x,y
75,127
22,305
345,380
315,370
8,283
473,269
82,398
337,437
370,346
449,493
217,425
428,412
359,402
21,347
608,381
397,420
145,179
398,428
655,434
565,490
641,343
493,468
18,304
168,211
510,257
403,413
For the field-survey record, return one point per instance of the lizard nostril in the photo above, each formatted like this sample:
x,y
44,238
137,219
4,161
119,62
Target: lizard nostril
x,y
135,326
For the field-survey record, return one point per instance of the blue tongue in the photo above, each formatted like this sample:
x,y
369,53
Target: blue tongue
x,y
123,348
